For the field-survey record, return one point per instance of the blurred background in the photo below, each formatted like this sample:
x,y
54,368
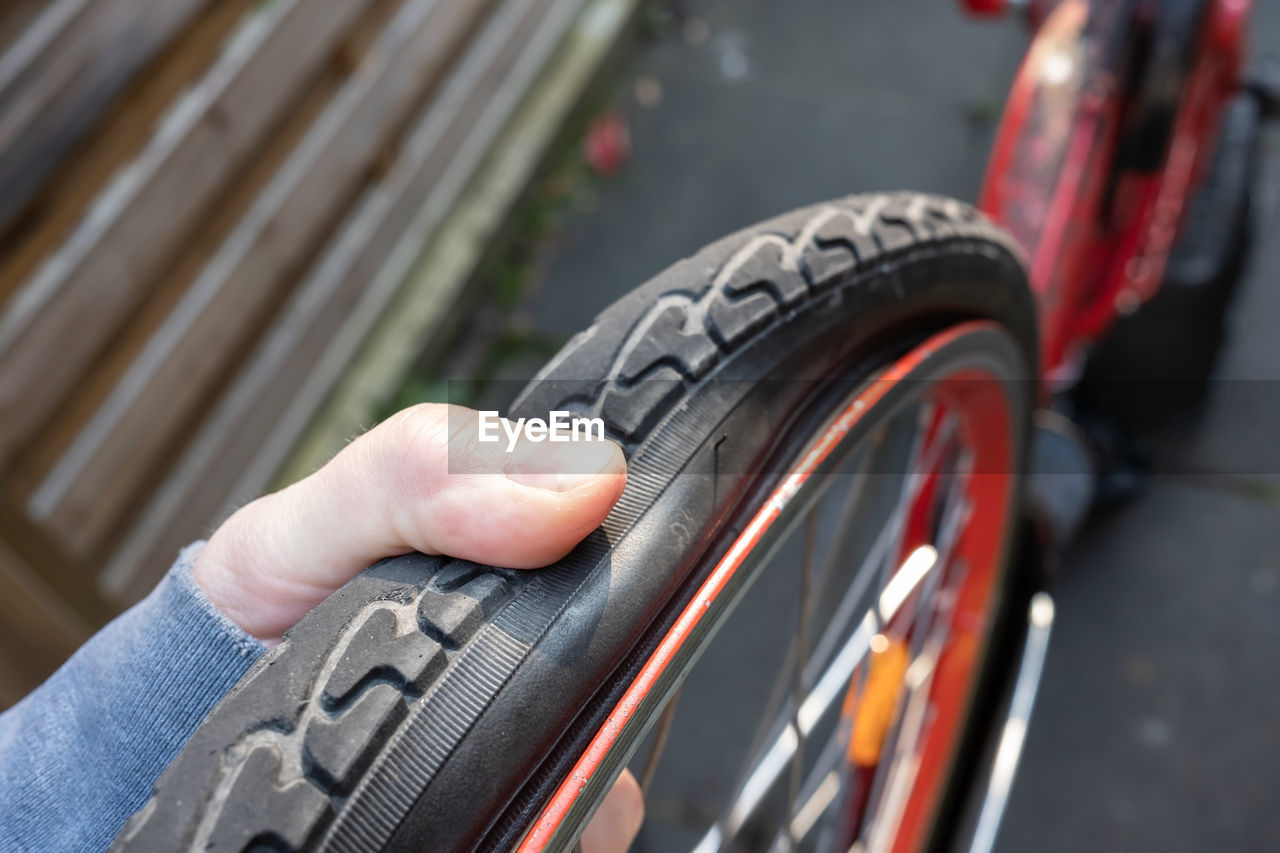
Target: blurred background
x,y
233,234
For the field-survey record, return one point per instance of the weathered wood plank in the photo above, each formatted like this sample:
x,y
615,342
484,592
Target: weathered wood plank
x,y
40,455
113,142
69,579
37,630
243,441
391,340
74,303
15,17
93,482
59,74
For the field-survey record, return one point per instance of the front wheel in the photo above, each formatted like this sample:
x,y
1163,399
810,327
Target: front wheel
x,y
825,418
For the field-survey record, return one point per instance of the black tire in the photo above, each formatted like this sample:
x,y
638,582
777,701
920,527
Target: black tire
x,y
433,704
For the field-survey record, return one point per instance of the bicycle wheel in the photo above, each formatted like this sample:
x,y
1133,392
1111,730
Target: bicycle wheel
x,y
437,704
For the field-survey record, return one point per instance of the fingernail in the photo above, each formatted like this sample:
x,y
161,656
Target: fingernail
x,y
562,466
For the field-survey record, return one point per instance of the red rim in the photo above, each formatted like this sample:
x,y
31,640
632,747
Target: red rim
x,y
985,423
973,395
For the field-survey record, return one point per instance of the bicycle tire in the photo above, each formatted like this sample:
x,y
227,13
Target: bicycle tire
x,y
410,710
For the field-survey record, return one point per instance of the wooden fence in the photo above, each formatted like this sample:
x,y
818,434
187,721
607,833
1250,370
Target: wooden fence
x,y
205,210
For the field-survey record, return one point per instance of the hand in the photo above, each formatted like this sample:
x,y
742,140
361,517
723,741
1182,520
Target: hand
x,y
412,484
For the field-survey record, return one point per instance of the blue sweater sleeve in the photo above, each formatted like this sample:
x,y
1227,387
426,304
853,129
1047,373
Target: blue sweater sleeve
x,y
79,755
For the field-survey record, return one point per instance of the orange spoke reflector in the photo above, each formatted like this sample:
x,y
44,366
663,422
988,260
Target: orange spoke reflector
x,y
879,698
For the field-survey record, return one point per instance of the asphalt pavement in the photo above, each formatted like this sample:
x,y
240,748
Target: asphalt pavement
x,y
1158,724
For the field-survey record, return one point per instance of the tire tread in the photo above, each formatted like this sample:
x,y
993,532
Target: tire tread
x,y
357,668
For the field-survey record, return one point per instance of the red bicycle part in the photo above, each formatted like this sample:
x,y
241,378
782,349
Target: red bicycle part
x,y
981,405
1053,159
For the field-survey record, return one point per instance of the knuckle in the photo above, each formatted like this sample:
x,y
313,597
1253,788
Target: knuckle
x,y
421,444
423,425
412,443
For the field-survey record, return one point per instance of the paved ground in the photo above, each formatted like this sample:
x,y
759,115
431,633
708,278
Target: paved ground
x,y
1159,720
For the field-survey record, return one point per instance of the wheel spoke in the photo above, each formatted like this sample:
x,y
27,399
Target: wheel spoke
x,y
777,757
897,785
918,566
910,558
910,591
843,526
818,801
848,604
893,783
826,646
766,766
778,695
801,644
820,787
913,479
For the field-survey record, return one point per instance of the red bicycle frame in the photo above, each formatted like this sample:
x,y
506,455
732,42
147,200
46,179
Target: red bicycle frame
x,y
1098,237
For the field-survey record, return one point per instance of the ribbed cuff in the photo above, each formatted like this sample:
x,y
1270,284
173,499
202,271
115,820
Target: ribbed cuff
x,y
201,656
80,754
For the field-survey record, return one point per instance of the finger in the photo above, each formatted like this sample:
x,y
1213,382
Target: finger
x,y
420,481
617,822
